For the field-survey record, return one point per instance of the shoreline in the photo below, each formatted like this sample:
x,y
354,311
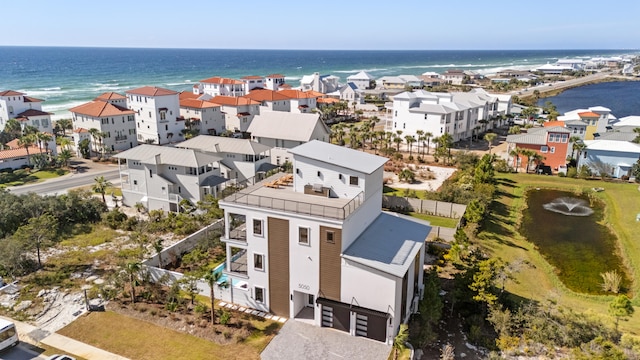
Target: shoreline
x,y
553,89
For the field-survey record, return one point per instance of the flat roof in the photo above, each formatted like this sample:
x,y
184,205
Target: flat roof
x,y
390,243
340,156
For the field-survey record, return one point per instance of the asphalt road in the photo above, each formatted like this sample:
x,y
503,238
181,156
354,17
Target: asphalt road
x,y
62,184
21,352
562,84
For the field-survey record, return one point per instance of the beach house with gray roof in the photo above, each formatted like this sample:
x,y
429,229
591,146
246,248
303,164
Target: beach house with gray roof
x,y
315,246
160,177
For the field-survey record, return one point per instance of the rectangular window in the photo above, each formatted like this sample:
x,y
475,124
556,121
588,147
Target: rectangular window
x,y
257,227
544,149
552,149
259,294
353,180
258,262
565,138
330,237
303,236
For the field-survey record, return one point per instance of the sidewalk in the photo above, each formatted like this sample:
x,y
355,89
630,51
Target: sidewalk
x,y
33,335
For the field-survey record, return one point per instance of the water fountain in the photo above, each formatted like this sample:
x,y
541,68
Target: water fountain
x,y
569,206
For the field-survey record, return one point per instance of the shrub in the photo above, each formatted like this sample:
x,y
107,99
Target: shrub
x,y
572,172
225,317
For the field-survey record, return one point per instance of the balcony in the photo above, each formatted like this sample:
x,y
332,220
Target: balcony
x,y
121,138
237,265
237,228
284,198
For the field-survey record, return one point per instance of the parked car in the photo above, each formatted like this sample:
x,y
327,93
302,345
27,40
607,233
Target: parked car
x,y
60,357
543,169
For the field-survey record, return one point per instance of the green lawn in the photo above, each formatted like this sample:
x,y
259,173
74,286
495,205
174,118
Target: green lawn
x,y
538,280
437,220
22,177
142,340
389,191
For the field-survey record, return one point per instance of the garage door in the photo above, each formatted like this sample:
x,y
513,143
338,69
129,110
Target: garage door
x,y
371,325
336,317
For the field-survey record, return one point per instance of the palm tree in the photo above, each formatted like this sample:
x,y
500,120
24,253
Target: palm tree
x,y
398,140
64,156
410,139
574,140
100,186
400,340
44,138
65,143
516,155
419,139
64,125
489,137
133,269
26,140
212,278
158,247
529,154
94,136
428,136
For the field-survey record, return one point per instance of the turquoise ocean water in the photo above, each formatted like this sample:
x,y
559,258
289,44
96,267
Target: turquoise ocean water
x,y
65,77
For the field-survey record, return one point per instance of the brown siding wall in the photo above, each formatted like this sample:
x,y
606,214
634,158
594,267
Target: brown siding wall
x,y
330,263
278,238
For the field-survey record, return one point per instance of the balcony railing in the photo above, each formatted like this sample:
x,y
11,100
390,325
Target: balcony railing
x,y
121,137
298,207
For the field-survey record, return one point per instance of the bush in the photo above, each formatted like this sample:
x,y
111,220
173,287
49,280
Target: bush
x,y
225,317
572,172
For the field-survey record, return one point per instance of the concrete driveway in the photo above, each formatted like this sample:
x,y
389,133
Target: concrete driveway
x,y
297,340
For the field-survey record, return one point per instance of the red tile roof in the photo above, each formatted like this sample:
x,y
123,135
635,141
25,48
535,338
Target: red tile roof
x,y
285,86
13,144
275,76
265,95
31,99
101,108
197,104
588,114
221,80
151,91
10,93
188,95
233,101
19,152
297,94
111,96
80,130
554,123
328,101
252,77
32,112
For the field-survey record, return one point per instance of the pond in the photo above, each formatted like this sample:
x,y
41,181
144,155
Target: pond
x,y
565,229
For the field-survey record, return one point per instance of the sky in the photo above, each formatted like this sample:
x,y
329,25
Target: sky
x,y
325,25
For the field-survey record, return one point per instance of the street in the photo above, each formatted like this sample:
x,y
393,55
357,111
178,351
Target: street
x,y
62,184
21,352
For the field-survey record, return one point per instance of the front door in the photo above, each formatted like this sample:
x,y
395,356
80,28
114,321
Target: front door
x,y
311,300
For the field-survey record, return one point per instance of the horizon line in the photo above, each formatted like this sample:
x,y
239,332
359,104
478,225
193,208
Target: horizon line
x,y
285,49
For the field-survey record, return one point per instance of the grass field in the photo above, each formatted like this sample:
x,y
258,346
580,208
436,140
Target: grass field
x,y
141,340
537,281
437,220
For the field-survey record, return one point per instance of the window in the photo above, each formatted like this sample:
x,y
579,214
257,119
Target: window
x,y
353,180
552,149
258,262
319,173
330,237
544,149
257,227
259,294
163,115
303,235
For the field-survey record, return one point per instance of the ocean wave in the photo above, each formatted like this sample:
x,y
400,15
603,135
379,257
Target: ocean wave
x,y
496,69
358,70
44,93
52,88
292,78
61,107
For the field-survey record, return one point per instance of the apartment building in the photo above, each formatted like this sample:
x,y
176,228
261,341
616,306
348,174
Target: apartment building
x,y
315,246
157,114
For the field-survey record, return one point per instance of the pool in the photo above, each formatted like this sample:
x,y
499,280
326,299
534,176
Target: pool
x,y
223,277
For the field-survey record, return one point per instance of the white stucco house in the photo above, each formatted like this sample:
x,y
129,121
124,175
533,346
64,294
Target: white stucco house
x,y
216,86
160,177
284,131
618,157
109,115
202,114
321,83
315,246
157,114
270,100
13,103
238,111
301,101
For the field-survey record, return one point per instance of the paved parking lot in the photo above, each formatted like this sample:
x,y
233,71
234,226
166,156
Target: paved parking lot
x,y
297,340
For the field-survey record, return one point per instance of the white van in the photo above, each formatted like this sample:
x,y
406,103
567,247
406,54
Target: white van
x,y
8,334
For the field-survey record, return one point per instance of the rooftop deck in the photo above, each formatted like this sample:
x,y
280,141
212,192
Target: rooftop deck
x,y
282,197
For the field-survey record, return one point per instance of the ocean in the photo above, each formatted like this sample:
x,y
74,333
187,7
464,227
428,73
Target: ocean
x,y
66,76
